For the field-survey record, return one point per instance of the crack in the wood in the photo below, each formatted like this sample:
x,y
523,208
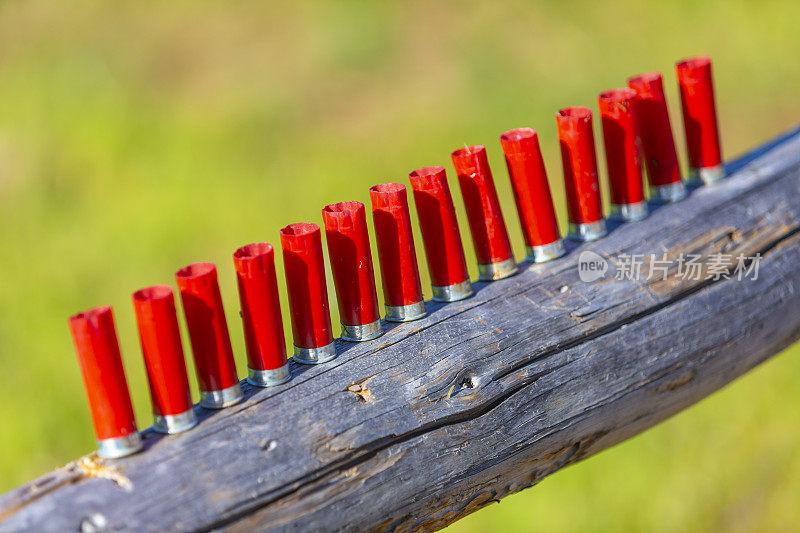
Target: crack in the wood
x,y
614,326
368,451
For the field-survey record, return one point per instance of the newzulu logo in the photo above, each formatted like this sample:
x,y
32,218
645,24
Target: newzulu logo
x,y
591,266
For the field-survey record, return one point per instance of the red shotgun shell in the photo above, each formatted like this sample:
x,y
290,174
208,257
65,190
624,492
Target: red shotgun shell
x,y
308,293
537,215
655,134
351,266
618,118
440,235
581,181
402,290
486,224
700,120
208,334
261,315
160,338
104,380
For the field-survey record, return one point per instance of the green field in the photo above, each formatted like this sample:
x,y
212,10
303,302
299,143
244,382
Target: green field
x,y
137,137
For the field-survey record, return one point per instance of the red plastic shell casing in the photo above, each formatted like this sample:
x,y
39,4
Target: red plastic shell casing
x,y
351,262
306,286
618,117
160,338
261,308
699,112
395,239
208,329
537,215
655,130
575,135
486,224
439,226
96,345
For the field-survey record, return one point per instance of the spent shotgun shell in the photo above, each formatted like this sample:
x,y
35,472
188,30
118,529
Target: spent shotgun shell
x,y
351,266
581,181
537,215
486,224
402,290
160,338
618,119
96,345
261,315
208,335
700,120
440,235
308,293
655,133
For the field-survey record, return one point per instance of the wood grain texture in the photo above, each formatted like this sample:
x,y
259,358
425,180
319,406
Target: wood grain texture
x,y
480,399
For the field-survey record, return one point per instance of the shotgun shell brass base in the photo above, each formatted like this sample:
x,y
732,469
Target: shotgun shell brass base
x,y
452,293
587,232
405,313
668,194
499,270
120,446
706,175
219,399
545,252
174,423
629,212
361,332
315,356
269,378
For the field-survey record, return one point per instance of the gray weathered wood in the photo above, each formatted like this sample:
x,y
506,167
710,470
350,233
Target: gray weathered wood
x,y
480,399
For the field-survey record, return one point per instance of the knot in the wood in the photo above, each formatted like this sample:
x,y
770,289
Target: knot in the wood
x,y
469,380
363,394
94,523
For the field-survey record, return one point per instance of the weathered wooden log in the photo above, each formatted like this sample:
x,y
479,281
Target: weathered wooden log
x,y
482,398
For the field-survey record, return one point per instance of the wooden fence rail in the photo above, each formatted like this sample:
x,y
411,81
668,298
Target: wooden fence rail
x,y
480,399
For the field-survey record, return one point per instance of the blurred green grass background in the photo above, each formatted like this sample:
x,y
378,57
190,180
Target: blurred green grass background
x,y
137,137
